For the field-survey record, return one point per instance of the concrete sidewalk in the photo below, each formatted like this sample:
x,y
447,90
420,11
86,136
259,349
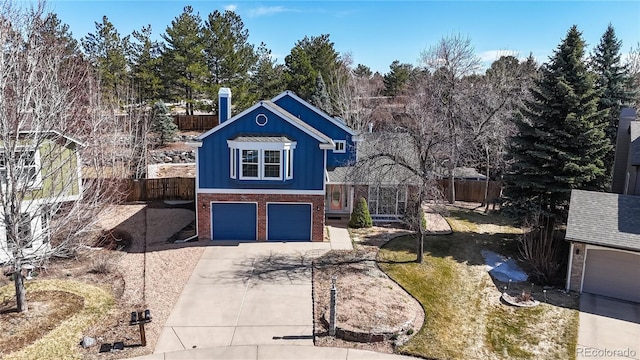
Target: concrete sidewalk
x,y
274,352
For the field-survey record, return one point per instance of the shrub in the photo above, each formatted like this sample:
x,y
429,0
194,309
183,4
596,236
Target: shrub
x,y
360,217
102,264
162,123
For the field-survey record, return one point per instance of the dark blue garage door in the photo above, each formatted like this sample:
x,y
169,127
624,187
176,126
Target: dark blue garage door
x,y
233,221
289,222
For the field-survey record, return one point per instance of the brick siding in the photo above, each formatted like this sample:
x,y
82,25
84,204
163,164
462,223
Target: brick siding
x,y
203,209
577,266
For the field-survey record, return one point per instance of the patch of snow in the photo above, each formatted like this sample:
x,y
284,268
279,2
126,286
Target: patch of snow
x,y
503,268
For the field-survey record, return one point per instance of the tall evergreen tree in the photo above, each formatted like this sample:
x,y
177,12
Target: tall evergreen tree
x,y
320,97
229,57
108,51
267,77
310,56
362,71
560,142
397,79
612,84
145,66
59,31
184,64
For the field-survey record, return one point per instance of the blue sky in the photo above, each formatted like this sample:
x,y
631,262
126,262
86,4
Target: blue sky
x,y
379,32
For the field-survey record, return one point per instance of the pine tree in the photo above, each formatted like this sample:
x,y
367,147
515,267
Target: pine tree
x,y
108,51
308,58
184,65
162,123
560,144
320,97
267,77
145,66
612,83
229,57
397,79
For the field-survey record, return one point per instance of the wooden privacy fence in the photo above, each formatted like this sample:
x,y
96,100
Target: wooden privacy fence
x,y
185,189
196,122
161,189
472,190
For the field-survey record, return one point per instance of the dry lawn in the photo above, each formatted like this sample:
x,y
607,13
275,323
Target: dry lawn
x,y
465,318
368,301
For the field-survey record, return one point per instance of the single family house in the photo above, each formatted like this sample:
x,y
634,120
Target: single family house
x,y
261,175
43,169
604,228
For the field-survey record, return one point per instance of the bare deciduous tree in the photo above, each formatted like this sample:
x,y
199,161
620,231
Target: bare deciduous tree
x,y
448,62
405,153
633,66
490,102
50,113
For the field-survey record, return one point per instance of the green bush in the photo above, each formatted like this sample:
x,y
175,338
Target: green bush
x,y
360,217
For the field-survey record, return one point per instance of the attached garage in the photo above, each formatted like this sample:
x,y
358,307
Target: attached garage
x,y
604,232
612,273
289,222
234,221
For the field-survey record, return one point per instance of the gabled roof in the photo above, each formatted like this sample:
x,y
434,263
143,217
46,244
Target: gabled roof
x,y
56,133
605,219
336,121
325,141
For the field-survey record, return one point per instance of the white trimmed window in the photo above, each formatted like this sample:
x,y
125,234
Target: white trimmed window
x,y
387,200
261,160
27,163
341,146
272,164
250,168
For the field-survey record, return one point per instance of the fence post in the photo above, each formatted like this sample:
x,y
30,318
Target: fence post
x,y
333,307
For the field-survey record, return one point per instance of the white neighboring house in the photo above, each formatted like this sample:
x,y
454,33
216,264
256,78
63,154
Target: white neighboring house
x,y
38,180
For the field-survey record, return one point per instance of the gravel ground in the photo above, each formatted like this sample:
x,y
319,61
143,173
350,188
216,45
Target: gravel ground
x,y
153,270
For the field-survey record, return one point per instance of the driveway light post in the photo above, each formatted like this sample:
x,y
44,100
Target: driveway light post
x,y
140,318
332,308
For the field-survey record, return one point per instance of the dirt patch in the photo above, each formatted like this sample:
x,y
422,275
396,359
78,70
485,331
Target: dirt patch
x,y
47,309
368,301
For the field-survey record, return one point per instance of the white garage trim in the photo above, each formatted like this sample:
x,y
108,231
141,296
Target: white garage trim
x,y
570,268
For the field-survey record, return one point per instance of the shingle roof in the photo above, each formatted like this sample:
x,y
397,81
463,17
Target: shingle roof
x,y
604,219
300,123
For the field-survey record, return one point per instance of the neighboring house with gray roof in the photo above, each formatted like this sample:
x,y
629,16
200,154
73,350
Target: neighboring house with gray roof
x,y
627,161
604,228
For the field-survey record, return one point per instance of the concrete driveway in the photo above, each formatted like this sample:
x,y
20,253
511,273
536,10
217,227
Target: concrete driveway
x,y
609,328
245,294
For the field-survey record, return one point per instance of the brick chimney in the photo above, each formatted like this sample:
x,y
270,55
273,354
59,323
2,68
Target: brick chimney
x,y
224,104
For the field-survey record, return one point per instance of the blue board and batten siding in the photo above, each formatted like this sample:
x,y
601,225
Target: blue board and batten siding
x,y
323,125
289,222
234,221
214,161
